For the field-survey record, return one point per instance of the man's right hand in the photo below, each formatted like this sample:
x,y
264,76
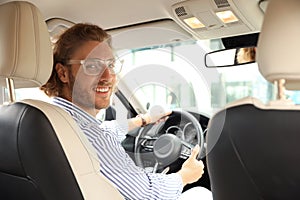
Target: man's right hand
x,y
192,169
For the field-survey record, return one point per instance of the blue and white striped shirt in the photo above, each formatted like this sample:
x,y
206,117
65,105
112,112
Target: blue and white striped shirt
x,y
115,164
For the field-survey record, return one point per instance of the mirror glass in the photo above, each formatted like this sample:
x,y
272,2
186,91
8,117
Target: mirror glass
x,y
230,57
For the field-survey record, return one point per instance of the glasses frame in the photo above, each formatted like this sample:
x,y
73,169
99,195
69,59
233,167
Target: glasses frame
x,y
107,63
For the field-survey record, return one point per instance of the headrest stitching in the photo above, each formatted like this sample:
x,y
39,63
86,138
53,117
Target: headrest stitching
x,y
15,63
36,36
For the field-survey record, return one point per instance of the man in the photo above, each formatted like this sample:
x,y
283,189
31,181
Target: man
x,y
82,82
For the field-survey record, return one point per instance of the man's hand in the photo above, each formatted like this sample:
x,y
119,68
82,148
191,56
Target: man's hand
x,y
157,114
192,169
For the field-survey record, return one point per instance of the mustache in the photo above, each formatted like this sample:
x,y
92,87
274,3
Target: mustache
x,y
104,83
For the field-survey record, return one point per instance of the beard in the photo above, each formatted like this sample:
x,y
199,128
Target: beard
x,y
85,97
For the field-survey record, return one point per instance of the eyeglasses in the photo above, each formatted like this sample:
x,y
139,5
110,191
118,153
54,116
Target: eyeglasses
x,y
95,66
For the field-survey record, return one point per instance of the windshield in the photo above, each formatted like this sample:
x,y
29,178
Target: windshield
x,y
165,76
175,76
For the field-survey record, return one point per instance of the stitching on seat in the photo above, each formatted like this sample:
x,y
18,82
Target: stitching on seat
x,y
241,161
36,37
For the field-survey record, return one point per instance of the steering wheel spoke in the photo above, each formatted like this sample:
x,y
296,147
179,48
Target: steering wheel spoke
x,y
147,143
186,144
186,152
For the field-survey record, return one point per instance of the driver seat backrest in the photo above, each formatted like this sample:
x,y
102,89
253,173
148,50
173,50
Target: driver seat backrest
x,y
43,153
253,149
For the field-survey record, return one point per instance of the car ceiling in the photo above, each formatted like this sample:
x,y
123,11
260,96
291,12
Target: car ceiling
x,y
106,13
119,15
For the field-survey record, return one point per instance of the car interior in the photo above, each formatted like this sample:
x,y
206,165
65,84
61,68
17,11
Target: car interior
x,y
184,55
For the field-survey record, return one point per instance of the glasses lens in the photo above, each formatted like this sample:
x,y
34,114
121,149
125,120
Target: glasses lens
x,y
115,66
96,66
93,67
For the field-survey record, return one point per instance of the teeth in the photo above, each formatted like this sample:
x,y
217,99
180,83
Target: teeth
x,y
102,89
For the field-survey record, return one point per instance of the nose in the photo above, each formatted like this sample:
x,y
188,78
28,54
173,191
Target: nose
x,y
106,74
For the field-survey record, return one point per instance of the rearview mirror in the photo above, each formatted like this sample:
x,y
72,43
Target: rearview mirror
x,y
230,57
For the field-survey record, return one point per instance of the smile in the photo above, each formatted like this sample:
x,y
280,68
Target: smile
x,y
102,89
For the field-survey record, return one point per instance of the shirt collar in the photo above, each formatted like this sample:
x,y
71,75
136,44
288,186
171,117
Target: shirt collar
x,y
78,114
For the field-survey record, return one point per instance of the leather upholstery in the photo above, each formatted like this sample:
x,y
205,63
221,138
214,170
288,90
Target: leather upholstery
x,y
25,50
33,165
253,152
278,43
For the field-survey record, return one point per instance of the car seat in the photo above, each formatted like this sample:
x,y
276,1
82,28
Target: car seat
x,y
43,153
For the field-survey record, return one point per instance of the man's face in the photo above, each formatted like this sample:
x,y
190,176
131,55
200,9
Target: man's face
x,y
91,91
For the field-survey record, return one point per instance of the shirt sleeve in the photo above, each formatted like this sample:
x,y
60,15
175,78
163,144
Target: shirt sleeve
x,y
116,127
132,181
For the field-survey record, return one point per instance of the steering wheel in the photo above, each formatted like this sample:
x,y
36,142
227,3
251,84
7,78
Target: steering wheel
x,y
166,146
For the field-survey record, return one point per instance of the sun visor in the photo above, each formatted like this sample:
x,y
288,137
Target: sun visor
x,y
154,33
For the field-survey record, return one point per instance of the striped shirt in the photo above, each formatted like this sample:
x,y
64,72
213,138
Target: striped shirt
x,y
115,164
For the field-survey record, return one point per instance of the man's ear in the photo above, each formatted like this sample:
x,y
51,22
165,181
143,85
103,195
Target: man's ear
x,y
62,72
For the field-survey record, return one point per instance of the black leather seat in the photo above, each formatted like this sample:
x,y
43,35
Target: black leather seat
x,y
253,149
34,165
43,153
255,153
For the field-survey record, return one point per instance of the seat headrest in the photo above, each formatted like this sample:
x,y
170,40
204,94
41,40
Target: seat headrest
x,y
25,50
278,54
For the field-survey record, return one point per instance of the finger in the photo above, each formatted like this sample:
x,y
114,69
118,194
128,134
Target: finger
x,y
168,112
163,118
195,152
202,164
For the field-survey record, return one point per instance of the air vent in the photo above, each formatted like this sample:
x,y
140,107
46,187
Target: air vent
x,y
222,3
180,11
